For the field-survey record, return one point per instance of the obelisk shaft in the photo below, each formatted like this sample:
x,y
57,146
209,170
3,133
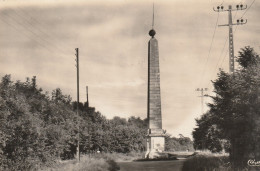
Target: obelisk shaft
x,y
154,96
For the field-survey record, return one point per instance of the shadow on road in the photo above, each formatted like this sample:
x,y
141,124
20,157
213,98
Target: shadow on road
x,y
174,165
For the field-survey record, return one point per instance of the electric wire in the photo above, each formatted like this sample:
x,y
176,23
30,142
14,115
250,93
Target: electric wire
x,y
219,58
32,28
209,52
248,8
26,16
33,33
28,36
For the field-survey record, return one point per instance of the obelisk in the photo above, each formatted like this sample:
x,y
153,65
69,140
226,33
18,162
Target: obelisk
x,y
156,135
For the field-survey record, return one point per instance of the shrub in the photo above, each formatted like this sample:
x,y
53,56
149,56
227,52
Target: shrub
x,y
113,166
201,163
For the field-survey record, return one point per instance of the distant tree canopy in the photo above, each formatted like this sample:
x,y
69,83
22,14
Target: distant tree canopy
x,y
34,128
233,121
37,128
178,144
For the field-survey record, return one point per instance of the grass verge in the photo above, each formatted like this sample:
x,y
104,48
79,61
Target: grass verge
x,y
95,162
204,161
87,163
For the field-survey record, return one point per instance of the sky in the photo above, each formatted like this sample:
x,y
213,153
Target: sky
x,y
38,38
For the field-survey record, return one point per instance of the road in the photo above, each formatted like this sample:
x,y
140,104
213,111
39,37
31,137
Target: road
x,y
173,165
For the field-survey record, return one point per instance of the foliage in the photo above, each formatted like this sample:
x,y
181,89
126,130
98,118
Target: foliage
x,y
37,129
207,135
234,112
178,144
113,166
201,162
247,57
34,128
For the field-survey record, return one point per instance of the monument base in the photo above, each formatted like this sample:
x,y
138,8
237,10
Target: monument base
x,y
155,146
155,155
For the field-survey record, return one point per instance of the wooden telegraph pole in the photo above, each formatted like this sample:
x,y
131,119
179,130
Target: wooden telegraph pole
x,y
77,66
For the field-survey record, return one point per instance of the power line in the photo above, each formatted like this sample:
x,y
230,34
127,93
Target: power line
x,y
248,8
222,51
207,59
223,59
29,30
38,28
219,59
28,36
33,31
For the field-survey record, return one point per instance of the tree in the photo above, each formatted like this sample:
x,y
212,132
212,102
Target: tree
x,y
207,135
247,57
36,129
235,110
178,144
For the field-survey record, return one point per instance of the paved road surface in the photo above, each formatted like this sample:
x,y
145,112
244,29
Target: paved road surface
x,y
174,165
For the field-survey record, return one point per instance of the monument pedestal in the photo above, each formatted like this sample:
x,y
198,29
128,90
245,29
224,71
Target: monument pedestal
x,y
155,144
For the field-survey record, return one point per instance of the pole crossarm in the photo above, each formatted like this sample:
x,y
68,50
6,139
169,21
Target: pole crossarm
x,y
221,8
239,22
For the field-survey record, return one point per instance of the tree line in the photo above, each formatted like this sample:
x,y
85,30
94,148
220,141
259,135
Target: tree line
x,y
233,120
37,128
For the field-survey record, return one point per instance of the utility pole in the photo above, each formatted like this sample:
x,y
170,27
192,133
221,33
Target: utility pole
x,y
202,90
230,24
77,66
87,97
